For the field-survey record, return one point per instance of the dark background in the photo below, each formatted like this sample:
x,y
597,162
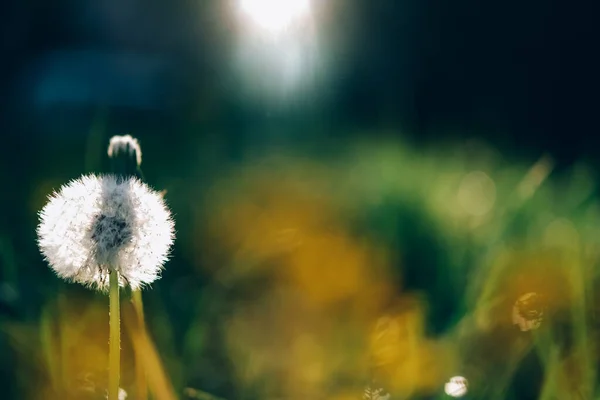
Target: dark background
x,y
522,74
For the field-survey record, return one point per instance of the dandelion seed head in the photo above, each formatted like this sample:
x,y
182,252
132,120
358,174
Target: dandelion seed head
x,y
457,386
98,223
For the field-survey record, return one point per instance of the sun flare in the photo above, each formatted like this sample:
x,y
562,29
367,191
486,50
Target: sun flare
x,y
274,15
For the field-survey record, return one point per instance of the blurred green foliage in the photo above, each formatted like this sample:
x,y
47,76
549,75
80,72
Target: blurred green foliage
x,y
289,256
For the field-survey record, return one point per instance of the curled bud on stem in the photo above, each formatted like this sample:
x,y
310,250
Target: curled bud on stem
x,y
125,156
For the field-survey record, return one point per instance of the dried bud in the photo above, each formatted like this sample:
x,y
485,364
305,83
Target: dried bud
x,y
125,155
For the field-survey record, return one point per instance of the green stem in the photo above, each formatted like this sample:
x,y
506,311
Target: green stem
x,y
114,356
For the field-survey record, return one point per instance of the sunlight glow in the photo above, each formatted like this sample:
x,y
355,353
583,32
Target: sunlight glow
x,y
279,57
274,15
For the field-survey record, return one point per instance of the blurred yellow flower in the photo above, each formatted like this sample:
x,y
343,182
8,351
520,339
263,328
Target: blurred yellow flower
x,y
404,360
68,360
320,285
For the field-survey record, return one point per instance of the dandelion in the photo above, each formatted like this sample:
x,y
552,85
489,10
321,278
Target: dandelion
x,y
125,154
97,224
104,232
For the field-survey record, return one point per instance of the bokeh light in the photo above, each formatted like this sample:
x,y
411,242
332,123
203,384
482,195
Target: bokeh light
x,y
456,387
477,193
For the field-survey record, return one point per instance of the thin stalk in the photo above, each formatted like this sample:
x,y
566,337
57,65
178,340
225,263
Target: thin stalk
x,y
140,371
114,356
158,383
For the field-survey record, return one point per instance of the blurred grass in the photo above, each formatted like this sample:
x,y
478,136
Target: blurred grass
x,y
305,276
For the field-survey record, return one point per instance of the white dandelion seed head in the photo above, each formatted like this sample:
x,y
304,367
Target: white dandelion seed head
x,y
95,224
125,144
457,386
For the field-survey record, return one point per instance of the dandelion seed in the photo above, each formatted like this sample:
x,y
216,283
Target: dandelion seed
x,y
98,223
456,387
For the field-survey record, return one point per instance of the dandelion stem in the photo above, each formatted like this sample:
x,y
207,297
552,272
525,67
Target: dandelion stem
x,y
114,356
